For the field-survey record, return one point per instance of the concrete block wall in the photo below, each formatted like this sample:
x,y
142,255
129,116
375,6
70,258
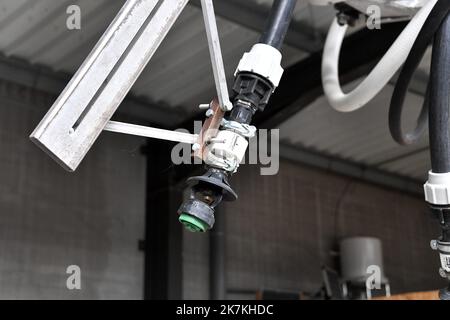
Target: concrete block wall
x,y
50,219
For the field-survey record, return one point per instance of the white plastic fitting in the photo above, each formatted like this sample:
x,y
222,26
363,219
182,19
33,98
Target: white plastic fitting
x,y
437,188
226,150
381,74
263,60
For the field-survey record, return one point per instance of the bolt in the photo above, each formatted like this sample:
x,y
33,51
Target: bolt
x,y
195,147
209,113
442,273
434,244
203,106
227,106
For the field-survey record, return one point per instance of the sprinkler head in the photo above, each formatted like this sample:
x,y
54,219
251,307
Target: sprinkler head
x,y
207,191
196,216
192,223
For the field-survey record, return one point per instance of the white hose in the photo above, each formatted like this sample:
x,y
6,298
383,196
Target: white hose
x,y
380,75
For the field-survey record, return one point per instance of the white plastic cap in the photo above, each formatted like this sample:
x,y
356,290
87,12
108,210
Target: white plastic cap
x,y
264,60
437,188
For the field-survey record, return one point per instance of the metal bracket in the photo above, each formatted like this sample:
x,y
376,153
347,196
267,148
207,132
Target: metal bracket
x,y
83,109
216,55
149,132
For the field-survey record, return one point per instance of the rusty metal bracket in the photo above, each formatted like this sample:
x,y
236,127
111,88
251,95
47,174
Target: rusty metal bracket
x,y
209,130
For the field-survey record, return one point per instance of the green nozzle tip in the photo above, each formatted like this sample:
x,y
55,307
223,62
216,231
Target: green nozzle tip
x,y
192,223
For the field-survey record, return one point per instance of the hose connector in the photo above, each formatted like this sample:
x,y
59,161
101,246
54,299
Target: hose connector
x,y
263,60
437,188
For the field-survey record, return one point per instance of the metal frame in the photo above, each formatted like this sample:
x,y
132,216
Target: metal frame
x,y
95,92
215,51
83,109
162,245
149,132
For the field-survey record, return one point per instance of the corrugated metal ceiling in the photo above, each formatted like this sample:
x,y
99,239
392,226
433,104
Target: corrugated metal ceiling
x,y
36,31
361,136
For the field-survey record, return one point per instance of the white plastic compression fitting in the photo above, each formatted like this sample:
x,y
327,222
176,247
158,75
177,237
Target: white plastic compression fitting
x,y
263,60
437,188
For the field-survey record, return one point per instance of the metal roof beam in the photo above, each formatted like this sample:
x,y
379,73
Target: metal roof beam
x,y
45,79
253,16
351,169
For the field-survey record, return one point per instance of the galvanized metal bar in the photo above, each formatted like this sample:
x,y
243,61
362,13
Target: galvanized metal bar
x,y
215,51
90,99
149,132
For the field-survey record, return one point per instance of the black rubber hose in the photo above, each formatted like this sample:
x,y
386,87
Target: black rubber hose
x,y
278,23
440,100
424,39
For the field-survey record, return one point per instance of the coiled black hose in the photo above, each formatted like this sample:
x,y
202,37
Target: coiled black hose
x,y
425,38
440,100
278,23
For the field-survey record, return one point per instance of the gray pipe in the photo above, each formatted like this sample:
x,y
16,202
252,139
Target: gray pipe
x,y
278,23
217,276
